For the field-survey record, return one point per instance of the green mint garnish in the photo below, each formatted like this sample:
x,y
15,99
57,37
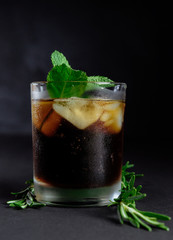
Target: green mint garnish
x,y
58,59
65,82
97,79
126,202
95,82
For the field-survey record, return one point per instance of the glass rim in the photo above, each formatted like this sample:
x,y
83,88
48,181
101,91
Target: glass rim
x,y
100,82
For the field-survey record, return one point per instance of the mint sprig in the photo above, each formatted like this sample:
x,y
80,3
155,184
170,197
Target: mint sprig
x,y
65,82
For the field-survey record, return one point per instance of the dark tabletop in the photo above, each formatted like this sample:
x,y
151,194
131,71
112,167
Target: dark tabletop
x,y
154,160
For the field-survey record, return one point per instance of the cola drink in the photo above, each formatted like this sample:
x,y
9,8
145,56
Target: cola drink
x,y
77,149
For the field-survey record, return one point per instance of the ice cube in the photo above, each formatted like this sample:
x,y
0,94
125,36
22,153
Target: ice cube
x,y
109,122
113,116
39,112
44,118
80,112
101,93
105,116
112,105
104,93
51,124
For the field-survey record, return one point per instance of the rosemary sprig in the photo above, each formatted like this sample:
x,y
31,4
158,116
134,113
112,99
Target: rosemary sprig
x,y
126,204
26,198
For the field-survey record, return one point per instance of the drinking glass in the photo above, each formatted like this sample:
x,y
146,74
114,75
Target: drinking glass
x,y
78,143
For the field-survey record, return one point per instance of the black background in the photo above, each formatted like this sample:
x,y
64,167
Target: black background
x,y
128,43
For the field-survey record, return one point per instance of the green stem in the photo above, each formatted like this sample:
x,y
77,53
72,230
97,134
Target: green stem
x,y
151,220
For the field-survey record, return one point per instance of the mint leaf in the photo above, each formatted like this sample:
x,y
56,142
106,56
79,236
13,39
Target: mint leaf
x,y
93,82
99,79
64,82
58,59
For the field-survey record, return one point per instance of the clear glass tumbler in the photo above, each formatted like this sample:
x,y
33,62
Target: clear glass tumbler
x,y
78,144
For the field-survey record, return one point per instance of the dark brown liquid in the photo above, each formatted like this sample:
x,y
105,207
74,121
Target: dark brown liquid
x,y
74,158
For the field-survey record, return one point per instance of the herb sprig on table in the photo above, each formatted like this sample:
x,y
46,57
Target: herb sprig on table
x,y
126,202
25,198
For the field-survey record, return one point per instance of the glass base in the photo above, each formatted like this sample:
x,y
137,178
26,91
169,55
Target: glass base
x,y
83,197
